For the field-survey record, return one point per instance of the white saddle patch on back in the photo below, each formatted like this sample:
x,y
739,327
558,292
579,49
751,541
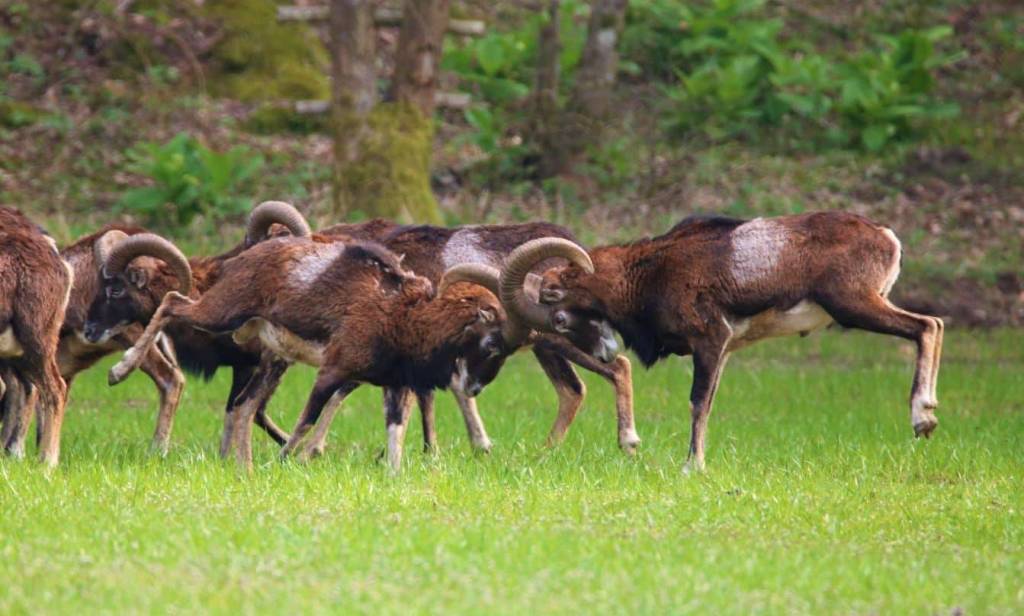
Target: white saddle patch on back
x,y
803,318
757,248
280,341
464,247
9,345
311,265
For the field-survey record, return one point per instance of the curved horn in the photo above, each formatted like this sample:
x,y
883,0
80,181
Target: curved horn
x,y
150,245
515,331
476,273
102,246
519,263
270,212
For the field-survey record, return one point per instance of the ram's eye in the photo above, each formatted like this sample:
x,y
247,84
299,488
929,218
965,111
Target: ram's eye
x,y
115,292
560,320
491,346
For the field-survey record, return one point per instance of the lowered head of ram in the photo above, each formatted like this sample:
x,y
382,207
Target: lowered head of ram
x,y
136,271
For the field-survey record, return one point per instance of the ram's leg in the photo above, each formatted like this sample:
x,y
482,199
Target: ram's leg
x,y
316,445
478,438
709,359
241,376
253,398
52,400
267,424
936,359
170,383
174,305
425,400
618,373
329,384
872,312
19,405
397,409
570,389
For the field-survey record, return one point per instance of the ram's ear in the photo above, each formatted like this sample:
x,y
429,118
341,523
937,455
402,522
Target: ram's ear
x,y
487,315
138,276
551,295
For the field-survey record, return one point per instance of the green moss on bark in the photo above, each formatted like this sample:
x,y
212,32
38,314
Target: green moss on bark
x,y
262,59
391,175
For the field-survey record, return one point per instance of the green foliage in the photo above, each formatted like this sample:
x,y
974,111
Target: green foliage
x,y
500,70
500,67
735,75
188,180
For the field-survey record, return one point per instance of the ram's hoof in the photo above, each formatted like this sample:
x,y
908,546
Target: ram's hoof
x,y
925,427
629,443
121,369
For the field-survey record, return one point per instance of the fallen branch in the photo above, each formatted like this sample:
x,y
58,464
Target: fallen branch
x,y
382,17
449,100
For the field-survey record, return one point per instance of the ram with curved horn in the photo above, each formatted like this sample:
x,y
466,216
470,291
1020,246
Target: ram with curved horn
x,y
352,310
138,272
712,285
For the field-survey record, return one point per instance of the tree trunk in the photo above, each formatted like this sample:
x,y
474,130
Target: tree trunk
x,y
418,58
382,152
353,91
592,94
590,103
546,121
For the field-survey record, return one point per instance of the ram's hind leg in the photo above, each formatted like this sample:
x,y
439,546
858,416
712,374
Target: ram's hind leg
x,y
53,395
330,388
18,407
251,400
174,306
425,400
872,312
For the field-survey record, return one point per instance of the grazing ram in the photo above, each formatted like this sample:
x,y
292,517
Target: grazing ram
x,y
139,270
713,285
480,250
34,287
354,311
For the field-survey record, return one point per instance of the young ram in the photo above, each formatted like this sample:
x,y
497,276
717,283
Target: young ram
x,y
34,287
713,285
354,311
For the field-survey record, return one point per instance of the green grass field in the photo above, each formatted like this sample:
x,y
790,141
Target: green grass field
x,y
816,500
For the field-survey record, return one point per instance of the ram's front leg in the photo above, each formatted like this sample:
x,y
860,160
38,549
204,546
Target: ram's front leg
x,y
173,306
708,362
478,438
397,410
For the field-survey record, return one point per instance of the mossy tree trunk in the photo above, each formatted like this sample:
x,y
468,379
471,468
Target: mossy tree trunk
x,y
382,151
